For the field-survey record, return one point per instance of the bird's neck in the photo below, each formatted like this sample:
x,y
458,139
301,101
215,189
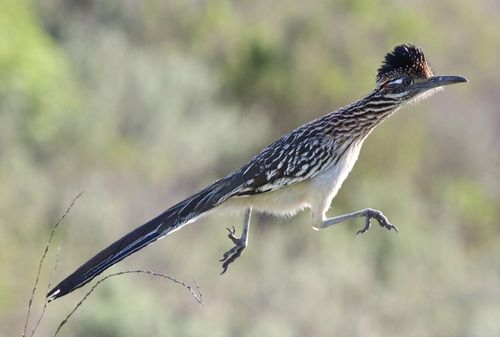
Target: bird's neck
x,y
359,118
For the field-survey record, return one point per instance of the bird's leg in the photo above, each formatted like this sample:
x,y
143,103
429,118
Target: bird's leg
x,y
239,243
368,213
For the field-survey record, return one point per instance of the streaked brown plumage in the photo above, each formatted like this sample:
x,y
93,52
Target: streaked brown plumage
x,y
303,169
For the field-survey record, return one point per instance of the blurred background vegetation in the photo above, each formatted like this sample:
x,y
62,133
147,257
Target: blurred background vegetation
x,y
141,103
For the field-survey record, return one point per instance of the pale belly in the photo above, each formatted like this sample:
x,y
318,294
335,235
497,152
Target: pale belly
x,y
315,193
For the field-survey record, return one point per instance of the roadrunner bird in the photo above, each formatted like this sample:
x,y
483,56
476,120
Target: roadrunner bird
x,y
303,169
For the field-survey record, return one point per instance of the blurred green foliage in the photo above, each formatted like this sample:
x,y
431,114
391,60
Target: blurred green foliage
x,y
140,103
33,71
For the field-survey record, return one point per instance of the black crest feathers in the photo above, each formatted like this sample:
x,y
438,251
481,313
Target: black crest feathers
x,y
407,59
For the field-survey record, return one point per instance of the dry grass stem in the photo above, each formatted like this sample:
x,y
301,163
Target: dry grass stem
x,y
54,228
194,291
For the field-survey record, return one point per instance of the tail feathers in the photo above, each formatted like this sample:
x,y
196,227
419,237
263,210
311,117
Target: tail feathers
x,y
165,223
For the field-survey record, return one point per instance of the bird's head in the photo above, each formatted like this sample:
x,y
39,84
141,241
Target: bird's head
x,y
406,76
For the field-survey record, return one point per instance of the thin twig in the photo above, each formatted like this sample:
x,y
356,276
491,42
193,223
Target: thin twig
x,y
198,298
30,303
56,265
196,294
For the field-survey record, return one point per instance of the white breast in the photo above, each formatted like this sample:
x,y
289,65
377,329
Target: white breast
x,y
316,193
330,179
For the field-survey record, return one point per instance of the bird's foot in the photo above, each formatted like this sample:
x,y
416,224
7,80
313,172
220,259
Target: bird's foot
x,y
231,255
381,219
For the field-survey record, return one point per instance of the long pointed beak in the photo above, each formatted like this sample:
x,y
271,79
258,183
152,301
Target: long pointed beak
x,y
440,81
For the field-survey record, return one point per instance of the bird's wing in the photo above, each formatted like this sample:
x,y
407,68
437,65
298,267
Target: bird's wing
x,y
293,158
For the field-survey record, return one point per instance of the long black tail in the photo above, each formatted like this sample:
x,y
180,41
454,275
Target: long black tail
x,y
170,220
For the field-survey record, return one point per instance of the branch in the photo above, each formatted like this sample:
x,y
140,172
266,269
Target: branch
x,y
30,303
194,291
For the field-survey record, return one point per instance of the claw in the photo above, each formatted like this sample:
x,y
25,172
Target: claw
x,y
225,255
231,230
381,219
389,226
231,255
231,235
239,243
366,227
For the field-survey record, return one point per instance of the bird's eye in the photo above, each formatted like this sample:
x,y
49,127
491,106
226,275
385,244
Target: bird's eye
x,y
407,82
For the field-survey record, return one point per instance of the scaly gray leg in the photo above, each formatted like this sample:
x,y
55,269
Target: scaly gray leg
x,y
239,243
368,213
